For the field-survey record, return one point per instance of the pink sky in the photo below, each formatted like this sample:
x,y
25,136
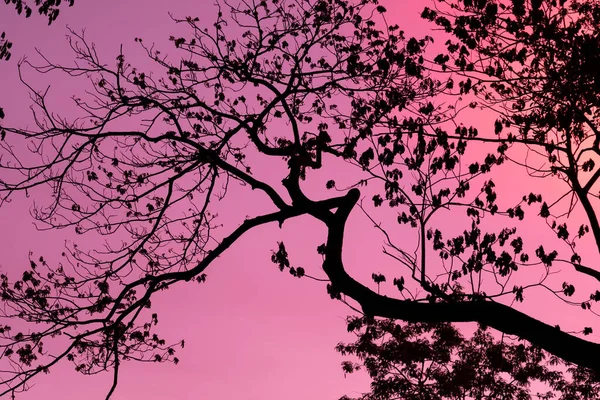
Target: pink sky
x,y
251,332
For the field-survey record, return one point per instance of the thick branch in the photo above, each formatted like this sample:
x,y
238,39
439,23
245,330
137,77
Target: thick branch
x,y
498,316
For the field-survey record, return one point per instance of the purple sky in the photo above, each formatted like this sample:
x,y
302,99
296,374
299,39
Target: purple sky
x,y
251,332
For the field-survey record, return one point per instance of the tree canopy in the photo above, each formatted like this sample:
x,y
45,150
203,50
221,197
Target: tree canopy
x,y
145,158
437,361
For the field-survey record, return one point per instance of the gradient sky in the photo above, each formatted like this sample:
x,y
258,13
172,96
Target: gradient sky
x,y
251,332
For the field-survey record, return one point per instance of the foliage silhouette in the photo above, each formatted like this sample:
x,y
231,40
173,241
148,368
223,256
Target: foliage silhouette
x,y
309,82
48,8
435,361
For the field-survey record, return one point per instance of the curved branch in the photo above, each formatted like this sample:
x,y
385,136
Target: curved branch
x,y
496,315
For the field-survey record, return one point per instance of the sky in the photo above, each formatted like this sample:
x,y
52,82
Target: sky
x,y
251,332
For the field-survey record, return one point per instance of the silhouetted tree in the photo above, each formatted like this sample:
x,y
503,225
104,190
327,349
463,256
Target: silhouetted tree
x,y
421,361
308,82
533,63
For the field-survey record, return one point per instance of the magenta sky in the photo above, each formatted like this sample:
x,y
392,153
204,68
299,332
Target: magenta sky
x,y
250,331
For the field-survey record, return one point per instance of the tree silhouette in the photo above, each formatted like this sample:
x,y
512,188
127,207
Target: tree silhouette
x,y
310,82
436,361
